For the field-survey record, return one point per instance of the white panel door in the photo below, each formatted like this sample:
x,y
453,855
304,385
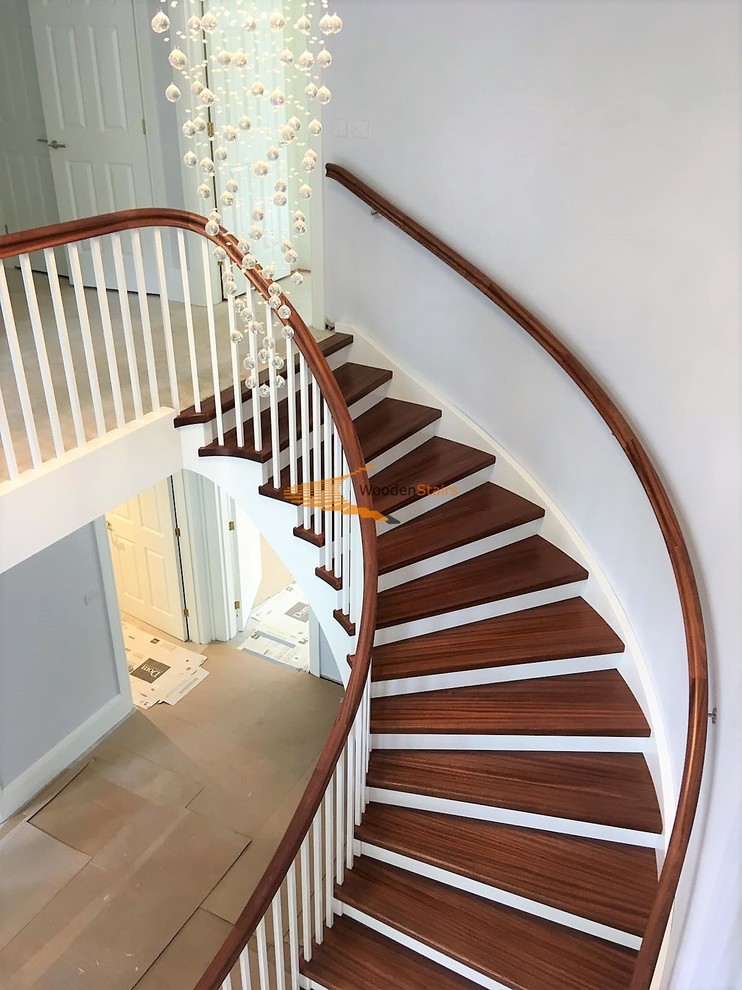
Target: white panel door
x,y
88,68
146,561
27,197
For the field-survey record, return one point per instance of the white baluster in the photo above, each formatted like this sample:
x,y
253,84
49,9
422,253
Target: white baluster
x,y
245,969
131,352
337,460
293,909
278,942
7,441
350,768
255,375
167,326
317,840
340,817
306,901
317,447
273,399
348,500
87,338
149,352
205,260
291,399
20,375
183,261
236,383
64,345
329,855
360,759
227,985
329,501
306,463
105,316
263,956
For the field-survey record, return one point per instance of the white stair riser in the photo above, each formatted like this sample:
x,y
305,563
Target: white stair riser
x,y
511,743
501,896
507,816
428,502
403,448
457,556
463,616
494,675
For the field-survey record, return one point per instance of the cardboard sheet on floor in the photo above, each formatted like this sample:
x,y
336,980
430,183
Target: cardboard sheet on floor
x,y
278,629
159,671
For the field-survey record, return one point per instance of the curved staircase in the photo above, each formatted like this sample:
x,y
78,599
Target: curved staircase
x,y
510,835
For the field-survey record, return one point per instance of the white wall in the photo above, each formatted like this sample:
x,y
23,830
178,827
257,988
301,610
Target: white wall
x,y
62,674
587,155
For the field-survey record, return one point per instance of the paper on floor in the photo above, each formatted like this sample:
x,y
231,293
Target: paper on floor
x,y
159,670
279,629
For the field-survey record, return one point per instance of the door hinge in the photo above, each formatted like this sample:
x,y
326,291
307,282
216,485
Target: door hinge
x,y
211,129
714,714
177,532
232,526
185,612
6,228
144,126
237,606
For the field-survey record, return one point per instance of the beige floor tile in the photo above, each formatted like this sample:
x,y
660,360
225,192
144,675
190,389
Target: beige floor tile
x,y
187,956
142,777
34,867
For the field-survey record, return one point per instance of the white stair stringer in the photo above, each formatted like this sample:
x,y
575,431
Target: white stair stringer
x,y
499,895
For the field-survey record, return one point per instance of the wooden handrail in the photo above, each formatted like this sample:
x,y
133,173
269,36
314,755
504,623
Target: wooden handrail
x,y
669,525
56,235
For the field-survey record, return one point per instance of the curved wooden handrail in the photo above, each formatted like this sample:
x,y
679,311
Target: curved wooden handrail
x,y
56,235
669,525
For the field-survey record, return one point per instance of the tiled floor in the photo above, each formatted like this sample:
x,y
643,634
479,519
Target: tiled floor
x,y
130,870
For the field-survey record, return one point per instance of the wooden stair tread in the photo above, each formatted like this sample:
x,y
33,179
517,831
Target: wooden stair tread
x,y
613,789
390,422
517,569
355,381
557,631
355,957
608,882
473,516
520,950
328,345
437,463
593,703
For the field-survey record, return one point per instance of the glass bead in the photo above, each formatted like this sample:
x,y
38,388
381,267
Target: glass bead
x,y
242,246
305,60
277,21
311,90
207,98
197,87
265,391
257,89
190,159
250,383
279,199
284,312
311,153
274,302
204,191
227,198
273,153
215,215
324,59
256,327
248,364
239,305
239,59
224,57
255,233
269,343
209,23
230,287
297,278
287,134
287,56
245,123
280,186
229,133
231,186
177,59
280,381
314,127
194,23
337,24
188,129
286,246
258,214
199,123
207,166
278,362
300,227
288,333
221,153
274,289
303,24
308,163
277,98
269,270
263,356
236,337
212,228
324,95
249,23
294,122
249,261
291,257
305,191
160,22
325,24
261,168
172,93
298,215
220,254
